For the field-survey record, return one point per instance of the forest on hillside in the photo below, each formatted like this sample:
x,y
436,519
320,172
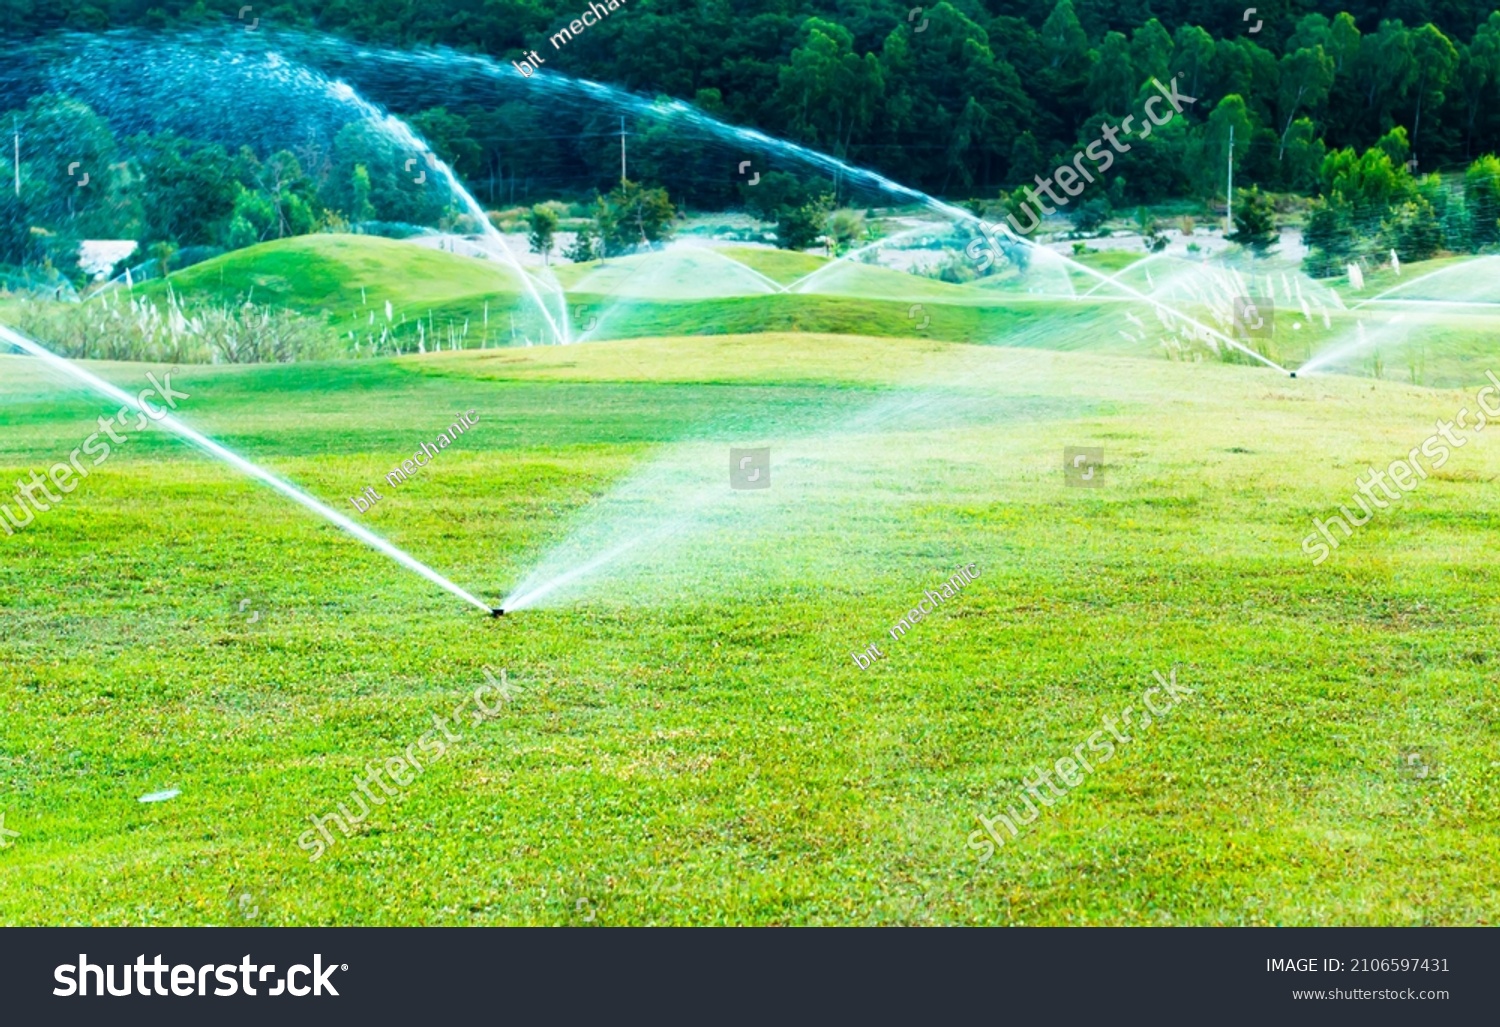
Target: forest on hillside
x,y
1354,103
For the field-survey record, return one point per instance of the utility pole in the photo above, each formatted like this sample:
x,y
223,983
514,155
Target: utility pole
x,y
16,127
622,149
1229,206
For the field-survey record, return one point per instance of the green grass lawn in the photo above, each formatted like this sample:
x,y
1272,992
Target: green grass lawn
x,y
692,742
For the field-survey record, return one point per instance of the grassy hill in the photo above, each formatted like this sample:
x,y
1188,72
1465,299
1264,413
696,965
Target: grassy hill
x,y
325,274
783,266
347,281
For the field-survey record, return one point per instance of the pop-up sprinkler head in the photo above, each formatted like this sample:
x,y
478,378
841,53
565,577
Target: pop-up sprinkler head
x,y
497,612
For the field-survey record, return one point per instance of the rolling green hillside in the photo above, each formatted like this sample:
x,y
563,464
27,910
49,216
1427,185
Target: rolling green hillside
x,y
347,280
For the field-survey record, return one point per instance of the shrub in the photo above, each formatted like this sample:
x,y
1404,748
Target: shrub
x,y
800,228
1415,230
1329,238
1091,214
1255,222
1482,197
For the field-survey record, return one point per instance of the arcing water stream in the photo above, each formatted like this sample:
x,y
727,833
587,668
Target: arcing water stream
x,y
239,463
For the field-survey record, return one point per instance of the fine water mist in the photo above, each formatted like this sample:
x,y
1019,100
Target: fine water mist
x,y
674,530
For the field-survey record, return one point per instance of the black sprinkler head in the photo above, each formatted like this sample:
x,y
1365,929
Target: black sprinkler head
x,y
1293,373
497,612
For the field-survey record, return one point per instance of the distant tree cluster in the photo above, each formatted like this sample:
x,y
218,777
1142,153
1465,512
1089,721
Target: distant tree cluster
x,y
631,217
170,192
1371,204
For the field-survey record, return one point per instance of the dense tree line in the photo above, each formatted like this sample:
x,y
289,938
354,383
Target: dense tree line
x,y
986,93
966,99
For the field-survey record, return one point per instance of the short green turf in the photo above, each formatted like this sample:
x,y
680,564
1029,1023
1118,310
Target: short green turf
x,y
700,747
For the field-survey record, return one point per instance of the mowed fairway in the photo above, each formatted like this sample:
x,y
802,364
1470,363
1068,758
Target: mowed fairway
x,y
695,744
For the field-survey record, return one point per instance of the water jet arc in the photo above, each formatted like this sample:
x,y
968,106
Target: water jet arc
x,y
238,462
